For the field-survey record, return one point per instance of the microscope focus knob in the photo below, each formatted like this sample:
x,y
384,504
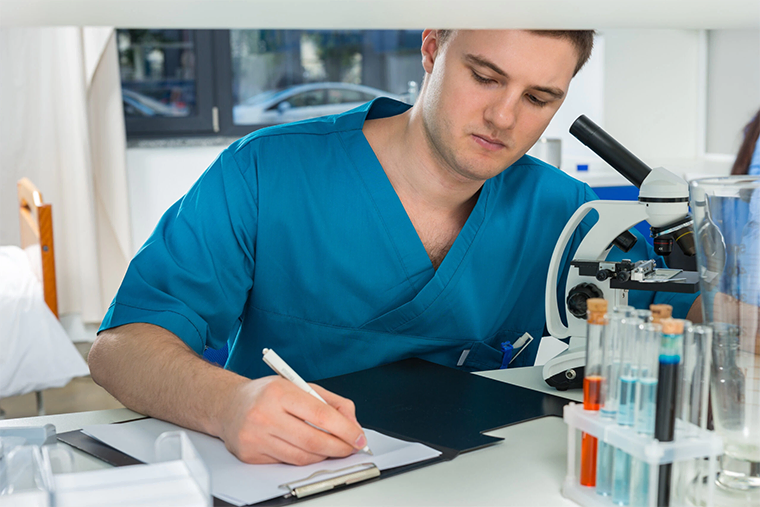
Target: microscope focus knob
x,y
577,297
604,274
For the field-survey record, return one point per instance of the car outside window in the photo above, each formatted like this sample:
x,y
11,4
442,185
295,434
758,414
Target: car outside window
x,y
347,96
310,98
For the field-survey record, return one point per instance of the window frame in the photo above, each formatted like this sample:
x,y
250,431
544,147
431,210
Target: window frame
x,y
223,88
199,123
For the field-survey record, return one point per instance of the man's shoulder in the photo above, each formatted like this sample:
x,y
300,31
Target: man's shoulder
x,y
530,173
317,129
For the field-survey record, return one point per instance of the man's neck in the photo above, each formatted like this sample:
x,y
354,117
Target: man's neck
x,y
414,170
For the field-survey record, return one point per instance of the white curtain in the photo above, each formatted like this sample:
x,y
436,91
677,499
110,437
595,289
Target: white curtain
x,y
62,126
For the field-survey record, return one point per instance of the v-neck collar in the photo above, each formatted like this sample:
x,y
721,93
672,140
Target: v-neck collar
x,y
426,282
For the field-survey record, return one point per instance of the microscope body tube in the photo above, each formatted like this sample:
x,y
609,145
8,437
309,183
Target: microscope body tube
x,y
611,151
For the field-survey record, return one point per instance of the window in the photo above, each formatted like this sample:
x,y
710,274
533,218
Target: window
x,y
166,80
230,82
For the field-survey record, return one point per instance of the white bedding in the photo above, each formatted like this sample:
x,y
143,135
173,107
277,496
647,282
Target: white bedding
x,y
35,352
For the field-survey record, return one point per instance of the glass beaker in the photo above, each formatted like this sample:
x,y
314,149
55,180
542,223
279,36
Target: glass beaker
x,y
727,237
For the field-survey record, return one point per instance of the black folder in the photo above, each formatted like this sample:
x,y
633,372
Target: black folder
x,y
413,400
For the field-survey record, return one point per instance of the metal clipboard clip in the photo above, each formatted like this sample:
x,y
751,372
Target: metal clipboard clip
x,y
341,477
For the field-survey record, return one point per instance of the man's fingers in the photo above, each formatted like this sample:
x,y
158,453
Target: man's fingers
x,y
341,404
281,451
310,439
307,408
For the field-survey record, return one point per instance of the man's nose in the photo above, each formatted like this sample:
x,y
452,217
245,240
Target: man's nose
x,y
502,113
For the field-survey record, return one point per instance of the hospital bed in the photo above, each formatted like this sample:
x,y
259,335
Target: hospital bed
x,y
35,352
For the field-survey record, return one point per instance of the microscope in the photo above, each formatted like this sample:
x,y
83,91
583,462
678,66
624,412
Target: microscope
x,y
663,202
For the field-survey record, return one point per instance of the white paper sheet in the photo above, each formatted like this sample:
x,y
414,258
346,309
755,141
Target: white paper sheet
x,y
240,483
548,348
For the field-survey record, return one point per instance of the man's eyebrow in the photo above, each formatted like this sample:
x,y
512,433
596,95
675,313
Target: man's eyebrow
x,y
554,92
480,61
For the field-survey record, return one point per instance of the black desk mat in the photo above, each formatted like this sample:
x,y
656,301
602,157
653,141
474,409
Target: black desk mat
x,y
441,407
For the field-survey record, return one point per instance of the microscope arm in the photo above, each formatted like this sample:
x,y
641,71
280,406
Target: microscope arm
x,y
614,218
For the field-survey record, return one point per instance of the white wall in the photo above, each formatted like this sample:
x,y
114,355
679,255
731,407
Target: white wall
x,y
157,178
585,96
733,86
652,92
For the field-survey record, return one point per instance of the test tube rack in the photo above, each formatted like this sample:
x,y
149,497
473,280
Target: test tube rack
x,y
691,443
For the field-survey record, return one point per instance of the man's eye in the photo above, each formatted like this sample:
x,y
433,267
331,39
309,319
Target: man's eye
x,y
536,100
481,79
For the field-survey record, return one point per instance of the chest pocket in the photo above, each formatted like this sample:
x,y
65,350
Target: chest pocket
x,y
487,355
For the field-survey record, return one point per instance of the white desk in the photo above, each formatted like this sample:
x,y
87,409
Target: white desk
x,y
526,469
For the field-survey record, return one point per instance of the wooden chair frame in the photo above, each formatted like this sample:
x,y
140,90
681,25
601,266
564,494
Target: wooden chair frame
x,y
36,224
36,221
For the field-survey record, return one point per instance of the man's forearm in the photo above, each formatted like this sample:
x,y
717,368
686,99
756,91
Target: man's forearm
x,y
153,372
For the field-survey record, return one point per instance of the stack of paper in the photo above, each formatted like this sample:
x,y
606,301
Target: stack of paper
x,y
240,483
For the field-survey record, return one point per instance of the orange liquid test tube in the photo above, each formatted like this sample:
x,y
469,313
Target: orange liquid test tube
x,y
591,388
592,383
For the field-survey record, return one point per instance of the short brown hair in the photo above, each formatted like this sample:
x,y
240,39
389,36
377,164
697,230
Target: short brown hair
x,y
747,149
582,41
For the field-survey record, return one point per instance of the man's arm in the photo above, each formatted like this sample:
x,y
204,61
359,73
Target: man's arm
x,y
695,312
151,371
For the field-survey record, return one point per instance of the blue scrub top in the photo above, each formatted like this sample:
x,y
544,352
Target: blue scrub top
x,y
294,239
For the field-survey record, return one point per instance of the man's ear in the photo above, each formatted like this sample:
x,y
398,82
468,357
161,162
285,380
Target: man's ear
x,y
431,45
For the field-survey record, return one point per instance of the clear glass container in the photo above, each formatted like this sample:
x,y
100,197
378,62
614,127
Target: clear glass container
x,y
727,237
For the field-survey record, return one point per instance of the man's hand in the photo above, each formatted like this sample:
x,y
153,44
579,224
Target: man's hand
x,y
266,423
153,372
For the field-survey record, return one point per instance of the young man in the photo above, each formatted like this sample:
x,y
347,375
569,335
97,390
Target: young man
x,y
351,241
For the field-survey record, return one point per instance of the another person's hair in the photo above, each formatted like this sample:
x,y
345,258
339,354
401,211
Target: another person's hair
x,y
744,157
582,41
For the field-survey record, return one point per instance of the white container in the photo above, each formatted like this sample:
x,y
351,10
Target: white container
x,y
691,442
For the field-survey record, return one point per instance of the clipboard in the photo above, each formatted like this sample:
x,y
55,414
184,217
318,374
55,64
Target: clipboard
x,y
414,400
294,491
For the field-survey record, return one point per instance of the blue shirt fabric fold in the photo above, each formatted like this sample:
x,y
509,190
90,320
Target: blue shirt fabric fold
x,y
295,240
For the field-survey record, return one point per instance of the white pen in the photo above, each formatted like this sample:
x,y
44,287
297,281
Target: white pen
x,y
282,369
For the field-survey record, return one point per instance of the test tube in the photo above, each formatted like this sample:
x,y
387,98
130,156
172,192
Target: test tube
x,y
626,416
693,399
609,393
644,315
3,468
695,378
646,399
671,347
595,334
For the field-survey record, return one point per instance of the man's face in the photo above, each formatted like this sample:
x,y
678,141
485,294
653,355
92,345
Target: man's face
x,y
489,95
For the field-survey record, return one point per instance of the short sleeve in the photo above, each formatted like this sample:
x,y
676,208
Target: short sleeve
x,y
193,274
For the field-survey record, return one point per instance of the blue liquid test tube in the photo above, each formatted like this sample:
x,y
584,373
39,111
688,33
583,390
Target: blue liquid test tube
x,y
611,353
629,374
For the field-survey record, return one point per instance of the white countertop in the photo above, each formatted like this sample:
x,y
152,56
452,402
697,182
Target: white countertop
x,y
526,469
